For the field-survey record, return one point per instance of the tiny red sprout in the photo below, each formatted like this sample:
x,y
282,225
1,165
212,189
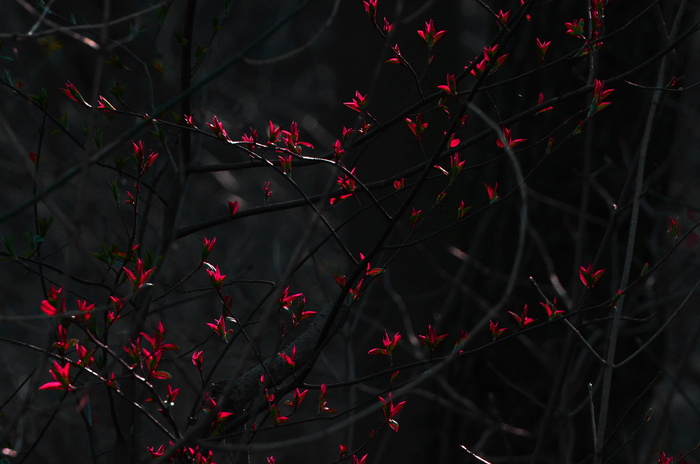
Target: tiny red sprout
x,y
362,460
251,139
347,132
673,226
492,192
61,376
358,102
290,360
417,126
663,459
456,166
286,300
479,68
389,345
415,216
551,308
217,128
198,359
462,210
139,277
291,139
86,308
550,146
216,277
390,410
189,120
233,207
599,95
523,319
432,339
219,326
343,450
490,52
273,133
298,398
104,105
286,162
542,48
33,157
172,395
575,28
72,92
400,183
371,10
271,460
143,162
338,150
322,403
387,27
496,332
463,335
616,298
540,100
429,34
509,138
441,197
502,17
450,87
207,246
397,59
589,277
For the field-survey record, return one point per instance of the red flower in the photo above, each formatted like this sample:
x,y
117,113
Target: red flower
x,y
432,339
429,34
390,411
590,277
358,102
